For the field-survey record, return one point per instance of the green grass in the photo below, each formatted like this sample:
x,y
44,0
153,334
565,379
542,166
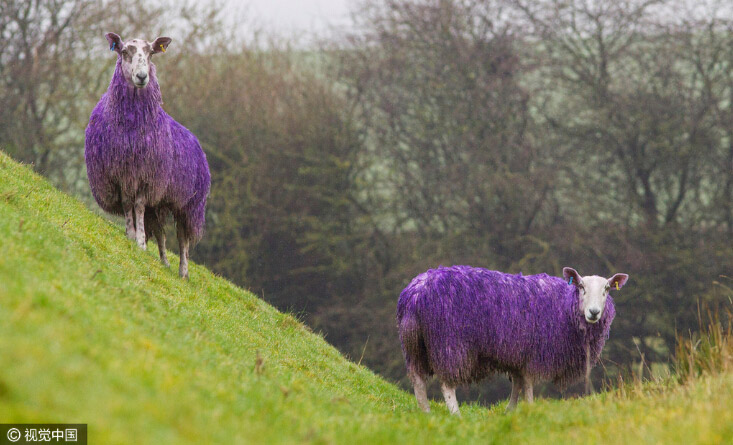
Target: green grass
x,y
94,330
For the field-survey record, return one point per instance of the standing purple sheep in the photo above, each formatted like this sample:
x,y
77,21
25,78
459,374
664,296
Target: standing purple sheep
x,y
465,323
141,163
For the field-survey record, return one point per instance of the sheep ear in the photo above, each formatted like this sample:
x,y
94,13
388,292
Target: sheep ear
x,y
161,44
617,281
568,273
115,42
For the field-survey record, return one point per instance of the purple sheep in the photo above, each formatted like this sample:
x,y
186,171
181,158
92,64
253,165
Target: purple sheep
x,y
141,163
465,323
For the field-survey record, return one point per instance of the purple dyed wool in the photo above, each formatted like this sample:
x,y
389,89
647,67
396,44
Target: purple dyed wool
x,y
464,323
137,155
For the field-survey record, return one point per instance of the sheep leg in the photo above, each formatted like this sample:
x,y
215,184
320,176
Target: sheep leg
x,y
421,392
449,394
516,389
527,388
160,237
588,381
588,385
129,222
140,223
183,247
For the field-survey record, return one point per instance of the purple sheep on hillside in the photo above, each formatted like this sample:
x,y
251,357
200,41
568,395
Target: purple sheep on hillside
x,y
464,323
141,163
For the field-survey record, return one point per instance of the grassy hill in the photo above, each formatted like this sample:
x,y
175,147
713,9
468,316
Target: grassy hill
x,y
94,330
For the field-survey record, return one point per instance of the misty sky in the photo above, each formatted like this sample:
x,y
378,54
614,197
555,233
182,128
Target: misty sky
x,y
296,18
292,16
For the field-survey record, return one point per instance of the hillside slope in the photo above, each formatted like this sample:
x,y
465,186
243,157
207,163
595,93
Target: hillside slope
x,y
96,331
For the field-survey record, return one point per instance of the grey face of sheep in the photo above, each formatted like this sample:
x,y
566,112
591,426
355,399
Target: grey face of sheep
x,y
593,291
135,57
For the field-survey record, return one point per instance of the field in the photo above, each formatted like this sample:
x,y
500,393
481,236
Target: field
x,y
96,331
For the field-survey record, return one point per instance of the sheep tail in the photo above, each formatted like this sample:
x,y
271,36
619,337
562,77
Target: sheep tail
x,y
413,347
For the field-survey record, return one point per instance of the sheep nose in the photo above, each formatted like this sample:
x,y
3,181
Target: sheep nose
x,y
594,312
141,76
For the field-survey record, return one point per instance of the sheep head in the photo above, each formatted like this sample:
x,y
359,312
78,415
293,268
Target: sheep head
x,y
135,57
593,291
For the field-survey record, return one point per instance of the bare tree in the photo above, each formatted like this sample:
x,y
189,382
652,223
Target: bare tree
x,y
635,114
706,45
40,74
447,122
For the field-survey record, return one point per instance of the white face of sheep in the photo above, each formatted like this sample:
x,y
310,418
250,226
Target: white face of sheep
x,y
135,57
593,291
